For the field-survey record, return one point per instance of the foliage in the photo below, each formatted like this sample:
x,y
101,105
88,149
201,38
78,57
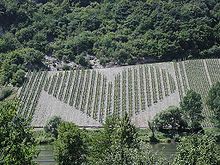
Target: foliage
x,y
16,62
17,143
80,59
170,118
118,144
52,125
125,133
102,141
42,137
70,147
5,92
119,31
134,156
213,101
191,107
18,77
198,149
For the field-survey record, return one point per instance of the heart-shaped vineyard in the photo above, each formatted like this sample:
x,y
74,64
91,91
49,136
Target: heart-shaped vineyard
x,y
142,91
132,90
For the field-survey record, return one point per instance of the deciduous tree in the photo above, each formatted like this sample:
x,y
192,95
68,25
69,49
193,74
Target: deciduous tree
x,y
191,107
198,150
17,145
213,101
169,119
70,148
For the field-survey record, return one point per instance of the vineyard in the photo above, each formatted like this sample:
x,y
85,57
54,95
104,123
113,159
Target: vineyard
x,y
87,97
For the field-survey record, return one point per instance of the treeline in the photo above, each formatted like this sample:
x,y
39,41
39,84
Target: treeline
x,y
120,31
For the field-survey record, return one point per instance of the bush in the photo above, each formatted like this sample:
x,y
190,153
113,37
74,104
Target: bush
x,y
198,149
213,102
17,143
66,67
191,107
70,148
169,119
80,59
52,125
18,78
5,92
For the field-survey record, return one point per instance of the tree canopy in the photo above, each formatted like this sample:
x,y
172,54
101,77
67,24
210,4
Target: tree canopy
x,y
70,148
118,144
17,145
191,107
51,126
170,119
213,101
198,149
120,31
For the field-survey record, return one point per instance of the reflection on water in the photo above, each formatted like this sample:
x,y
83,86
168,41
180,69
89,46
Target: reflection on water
x,y
45,156
167,149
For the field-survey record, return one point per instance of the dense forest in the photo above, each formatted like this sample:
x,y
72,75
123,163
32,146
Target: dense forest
x,y
119,31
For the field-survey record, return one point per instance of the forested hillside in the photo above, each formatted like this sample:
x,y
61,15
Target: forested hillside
x,y
119,31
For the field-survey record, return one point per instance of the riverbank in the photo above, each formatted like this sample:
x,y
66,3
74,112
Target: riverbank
x,y
45,156
143,135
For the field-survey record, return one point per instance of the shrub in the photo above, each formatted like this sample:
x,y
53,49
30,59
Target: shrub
x,y
213,101
52,125
5,92
198,149
70,148
169,119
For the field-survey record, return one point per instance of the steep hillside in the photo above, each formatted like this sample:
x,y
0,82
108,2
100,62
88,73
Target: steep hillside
x,y
60,34
87,97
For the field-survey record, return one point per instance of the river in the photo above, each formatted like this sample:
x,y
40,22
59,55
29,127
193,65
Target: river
x,y
45,156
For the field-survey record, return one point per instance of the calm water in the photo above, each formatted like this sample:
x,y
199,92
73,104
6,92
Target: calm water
x,y
45,156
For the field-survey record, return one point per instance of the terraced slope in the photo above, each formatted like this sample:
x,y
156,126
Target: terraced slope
x,y
87,97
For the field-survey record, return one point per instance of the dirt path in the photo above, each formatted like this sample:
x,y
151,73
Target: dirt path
x,y
67,91
99,98
175,79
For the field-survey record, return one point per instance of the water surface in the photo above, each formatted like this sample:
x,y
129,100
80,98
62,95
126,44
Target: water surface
x,y
45,156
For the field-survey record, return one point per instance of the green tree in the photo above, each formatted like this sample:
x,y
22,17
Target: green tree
x,y
5,92
197,150
70,148
213,101
18,78
191,107
125,133
80,59
124,140
14,65
169,119
8,43
124,148
101,142
52,126
17,145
